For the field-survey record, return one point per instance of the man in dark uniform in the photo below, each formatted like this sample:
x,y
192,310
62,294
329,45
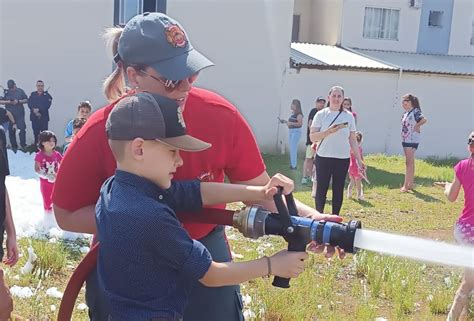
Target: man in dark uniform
x,y
16,97
39,103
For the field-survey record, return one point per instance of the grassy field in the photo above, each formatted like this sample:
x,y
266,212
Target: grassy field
x,y
360,287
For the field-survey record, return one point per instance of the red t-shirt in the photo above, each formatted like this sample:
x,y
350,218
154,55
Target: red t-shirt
x,y
234,153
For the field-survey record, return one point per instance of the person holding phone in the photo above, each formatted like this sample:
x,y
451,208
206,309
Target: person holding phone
x,y
334,130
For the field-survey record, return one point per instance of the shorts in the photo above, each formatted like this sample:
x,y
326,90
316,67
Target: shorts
x,y
464,234
412,145
310,152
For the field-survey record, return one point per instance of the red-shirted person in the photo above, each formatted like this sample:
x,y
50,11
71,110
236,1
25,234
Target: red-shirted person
x,y
154,53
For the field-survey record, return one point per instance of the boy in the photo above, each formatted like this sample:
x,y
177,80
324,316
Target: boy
x,y
77,124
83,111
6,224
147,262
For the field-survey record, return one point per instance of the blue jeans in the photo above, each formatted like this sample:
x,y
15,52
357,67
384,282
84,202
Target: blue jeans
x,y
205,304
295,135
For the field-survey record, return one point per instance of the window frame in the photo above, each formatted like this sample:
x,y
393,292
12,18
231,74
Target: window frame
x,y
383,31
144,6
435,19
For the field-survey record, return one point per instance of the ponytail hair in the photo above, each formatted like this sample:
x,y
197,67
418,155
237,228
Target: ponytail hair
x,y
341,108
413,99
114,84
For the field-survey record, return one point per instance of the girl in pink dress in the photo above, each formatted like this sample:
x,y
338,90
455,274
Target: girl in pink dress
x,y
464,228
47,162
354,172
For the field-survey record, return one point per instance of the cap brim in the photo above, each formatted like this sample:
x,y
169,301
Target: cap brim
x,y
186,143
183,66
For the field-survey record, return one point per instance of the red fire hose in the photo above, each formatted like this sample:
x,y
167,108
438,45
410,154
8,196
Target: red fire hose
x,y
89,262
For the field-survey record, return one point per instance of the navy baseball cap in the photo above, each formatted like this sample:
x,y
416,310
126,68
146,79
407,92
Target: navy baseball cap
x,y
320,98
159,41
151,117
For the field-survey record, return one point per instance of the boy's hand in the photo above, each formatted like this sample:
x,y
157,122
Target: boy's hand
x,y
12,252
288,264
278,180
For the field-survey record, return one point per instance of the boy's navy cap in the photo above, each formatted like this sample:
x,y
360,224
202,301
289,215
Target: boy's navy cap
x,y
159,41
151,117
320,98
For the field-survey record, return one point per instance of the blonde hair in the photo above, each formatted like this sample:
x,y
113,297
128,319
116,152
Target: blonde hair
x,y
114,84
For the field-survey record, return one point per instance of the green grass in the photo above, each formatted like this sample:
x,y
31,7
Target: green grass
x,y
360,287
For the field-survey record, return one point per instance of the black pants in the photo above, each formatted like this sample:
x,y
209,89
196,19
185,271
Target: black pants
x,y
38,126
21,127
327,167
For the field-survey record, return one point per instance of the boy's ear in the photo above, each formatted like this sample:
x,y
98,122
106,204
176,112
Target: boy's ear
x,y
137,146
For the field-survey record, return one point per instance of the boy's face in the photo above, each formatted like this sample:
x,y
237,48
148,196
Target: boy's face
x,y
160,162
84,112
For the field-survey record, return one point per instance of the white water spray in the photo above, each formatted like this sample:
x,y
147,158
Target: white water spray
x,y
415,248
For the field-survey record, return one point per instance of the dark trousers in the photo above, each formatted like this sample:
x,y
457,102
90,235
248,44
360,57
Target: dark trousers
x,y
205,304
21,127
327,167
38,126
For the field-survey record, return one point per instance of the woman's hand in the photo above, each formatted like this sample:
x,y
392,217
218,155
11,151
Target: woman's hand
x,y
334,128
416,128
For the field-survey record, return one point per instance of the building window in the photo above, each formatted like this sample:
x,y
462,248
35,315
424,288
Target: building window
x,y
127,9
435,18
295,33
380,23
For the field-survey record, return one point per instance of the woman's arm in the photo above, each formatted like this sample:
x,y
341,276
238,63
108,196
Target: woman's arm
x,y
218,193
419,124
316,135
79,221
12,247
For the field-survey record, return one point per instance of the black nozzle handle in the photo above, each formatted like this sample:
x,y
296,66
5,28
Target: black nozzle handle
x,y
282,210
290,202
293,246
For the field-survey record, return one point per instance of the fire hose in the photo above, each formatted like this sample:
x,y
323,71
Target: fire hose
x,y
253,222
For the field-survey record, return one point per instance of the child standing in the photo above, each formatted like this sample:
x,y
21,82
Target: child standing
x,y
83,111
464,228
77,124
412,120
47,162
354,172
147,262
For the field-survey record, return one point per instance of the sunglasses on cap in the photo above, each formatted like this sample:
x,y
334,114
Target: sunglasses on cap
x,y
170,85
470,141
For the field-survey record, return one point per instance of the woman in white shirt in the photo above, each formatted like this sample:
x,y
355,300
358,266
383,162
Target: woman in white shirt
x,y
334,130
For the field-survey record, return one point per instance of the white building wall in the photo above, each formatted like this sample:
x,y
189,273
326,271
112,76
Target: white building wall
x,y
59,42
461,28
375,99
249,41
353,25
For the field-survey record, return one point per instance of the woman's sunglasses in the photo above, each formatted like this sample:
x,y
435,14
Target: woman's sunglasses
x,y
170,85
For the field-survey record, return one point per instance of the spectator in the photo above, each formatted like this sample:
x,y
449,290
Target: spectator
x,y
6,225
6,118
39,104
16,97
83,111
47,162
294,123
412,121
334,128
347,104
464,227
309,158
77,124
354,172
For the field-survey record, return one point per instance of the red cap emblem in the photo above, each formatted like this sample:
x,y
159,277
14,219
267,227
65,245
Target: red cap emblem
x,y
176,36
